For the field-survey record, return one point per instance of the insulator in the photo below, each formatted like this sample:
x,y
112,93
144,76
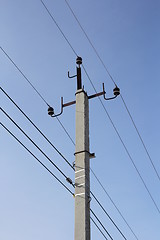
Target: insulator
x,y
116,91
50,111
79,60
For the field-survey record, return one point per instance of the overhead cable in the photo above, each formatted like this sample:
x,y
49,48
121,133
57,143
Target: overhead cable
x,y
61,171
36,158
34,144
40,95
89,41
125,105
36,127
113,203
65,131
57,151
101,224
120,138
53,19
140,137
108,215
98,228
53,175
118,134
13,62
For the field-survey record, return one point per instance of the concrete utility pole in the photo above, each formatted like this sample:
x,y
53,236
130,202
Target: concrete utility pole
x,y
82,154
82,163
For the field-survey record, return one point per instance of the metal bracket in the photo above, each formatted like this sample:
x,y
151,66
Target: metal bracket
x,y
91,155
116,92
89,199
51,110
71,76
97,94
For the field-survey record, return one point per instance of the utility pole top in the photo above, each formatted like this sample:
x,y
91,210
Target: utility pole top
x,y
79,80
79,61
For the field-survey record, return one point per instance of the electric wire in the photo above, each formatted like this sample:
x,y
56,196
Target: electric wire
x,y
120,138
49,171
94,89
56,150
53,19
36,158
65,131
66,177
95,198
101,224
149,193
140,137
96,52
98,227
34,144
37,128
125,105
71,166
114,204
35,125
42,164
108,215
62,34
20,71
40,95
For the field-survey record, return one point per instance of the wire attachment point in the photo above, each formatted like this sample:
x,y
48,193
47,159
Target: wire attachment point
x,y
71,76
51,110
116,92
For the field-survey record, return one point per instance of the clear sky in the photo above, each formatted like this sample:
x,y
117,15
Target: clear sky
x,y
126,34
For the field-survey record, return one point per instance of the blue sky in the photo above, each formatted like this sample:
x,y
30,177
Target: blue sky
x,y
126,35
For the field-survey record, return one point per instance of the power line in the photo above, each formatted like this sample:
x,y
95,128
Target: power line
x,y
41,1
58,152
35,144
53,19
53,147
36,158
149,193
13,62
89,41
42,98
65,131
120,138
114,204
24,76
36,127
133,163
92,85
108,215
46,169
140,137
98,228
101,224
59,169
95,198
66,176
125,105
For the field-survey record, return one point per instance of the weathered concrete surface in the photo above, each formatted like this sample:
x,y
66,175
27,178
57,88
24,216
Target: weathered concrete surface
x,y
82,172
